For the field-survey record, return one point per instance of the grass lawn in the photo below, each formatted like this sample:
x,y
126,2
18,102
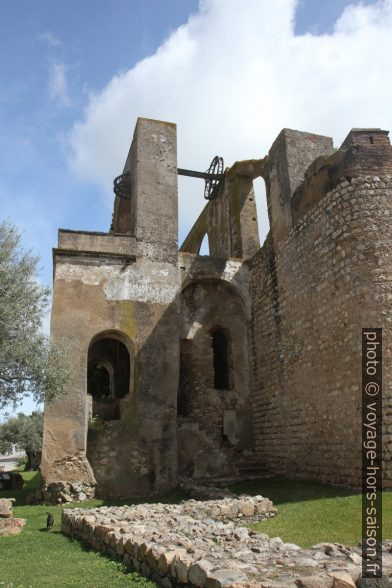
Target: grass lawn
x,y
308,513
38,558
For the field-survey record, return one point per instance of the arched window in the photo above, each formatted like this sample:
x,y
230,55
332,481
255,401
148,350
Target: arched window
x,y
204,248
221,348
99,384
108,376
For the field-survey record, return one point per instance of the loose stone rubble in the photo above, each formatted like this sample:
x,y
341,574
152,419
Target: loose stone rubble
x,y
201,544
61,492
8,524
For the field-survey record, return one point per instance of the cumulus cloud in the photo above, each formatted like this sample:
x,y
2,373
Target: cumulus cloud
x,y
58,85
231,78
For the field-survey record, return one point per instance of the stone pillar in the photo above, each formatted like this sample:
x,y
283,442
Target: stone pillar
x,y
289,157
151,212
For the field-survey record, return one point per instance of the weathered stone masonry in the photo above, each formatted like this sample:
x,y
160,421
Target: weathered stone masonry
x,y
311,296
210,366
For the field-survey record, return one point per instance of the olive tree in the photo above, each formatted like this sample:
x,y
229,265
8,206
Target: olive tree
x,y
29,363
25,431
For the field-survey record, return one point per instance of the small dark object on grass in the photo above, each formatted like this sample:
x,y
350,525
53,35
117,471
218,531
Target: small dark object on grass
x,y
49,521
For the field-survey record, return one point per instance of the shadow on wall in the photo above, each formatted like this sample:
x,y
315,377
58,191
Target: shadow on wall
x,y
133,451
136,450
214,414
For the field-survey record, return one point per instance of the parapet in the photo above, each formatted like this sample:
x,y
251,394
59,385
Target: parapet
x,y
364,152
290,155
89,246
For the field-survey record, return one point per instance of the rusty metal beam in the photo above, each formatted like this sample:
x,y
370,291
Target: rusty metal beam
x,y
196,174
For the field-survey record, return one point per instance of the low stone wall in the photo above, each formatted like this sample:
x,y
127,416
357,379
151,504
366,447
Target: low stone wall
x,y
200,544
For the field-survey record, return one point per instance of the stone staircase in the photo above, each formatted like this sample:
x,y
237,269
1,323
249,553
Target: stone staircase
x,y
248,465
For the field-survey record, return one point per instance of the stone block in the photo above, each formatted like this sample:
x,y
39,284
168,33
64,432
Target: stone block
x,y
314,582
180,568
145,570
166,559
224,577
246,507
10,526
197,573
342,580
6,507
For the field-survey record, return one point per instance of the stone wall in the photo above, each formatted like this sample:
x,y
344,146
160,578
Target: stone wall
x,y
230,219
122,286
312,294
288,317
213,421
205,544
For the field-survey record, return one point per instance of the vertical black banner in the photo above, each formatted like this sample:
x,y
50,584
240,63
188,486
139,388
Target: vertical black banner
x,y
372,453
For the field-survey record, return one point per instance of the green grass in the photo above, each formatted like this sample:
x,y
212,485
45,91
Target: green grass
x,y
311,512
308,513
37,558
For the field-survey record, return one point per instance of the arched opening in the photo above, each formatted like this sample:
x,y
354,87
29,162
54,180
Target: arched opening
x,y
221,349
204,248
108,376
262,217
214,383
99,384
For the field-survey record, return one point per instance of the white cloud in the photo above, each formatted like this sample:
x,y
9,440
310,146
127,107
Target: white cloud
x,y
58,85
231,78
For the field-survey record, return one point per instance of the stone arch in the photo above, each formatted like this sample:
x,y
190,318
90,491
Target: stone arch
x,y
110,369
210,277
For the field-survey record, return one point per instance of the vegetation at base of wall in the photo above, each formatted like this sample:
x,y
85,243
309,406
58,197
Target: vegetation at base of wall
x,y
308,513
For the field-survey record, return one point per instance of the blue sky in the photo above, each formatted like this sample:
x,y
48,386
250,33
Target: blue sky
x,y
87,43
74,77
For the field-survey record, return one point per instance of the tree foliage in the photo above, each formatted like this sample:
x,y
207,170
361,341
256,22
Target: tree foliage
x,y
25,431
29,363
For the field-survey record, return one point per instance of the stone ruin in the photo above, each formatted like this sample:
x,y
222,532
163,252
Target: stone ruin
x,y
202,544
8,524
226,365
